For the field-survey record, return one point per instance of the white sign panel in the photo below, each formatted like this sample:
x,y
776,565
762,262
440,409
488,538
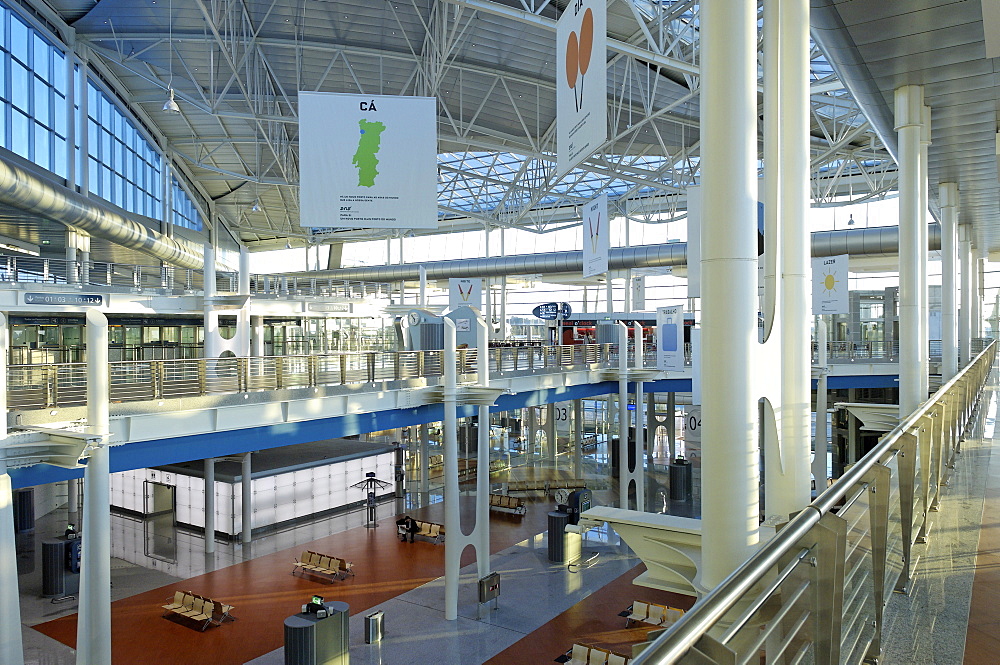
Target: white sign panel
x,y
670,341
367,161
596,236
465,291
581,80
830,285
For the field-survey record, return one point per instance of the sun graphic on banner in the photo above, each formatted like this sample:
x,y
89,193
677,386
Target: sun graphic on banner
x,y
830,281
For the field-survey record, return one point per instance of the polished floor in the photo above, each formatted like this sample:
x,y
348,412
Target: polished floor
x,y
949,616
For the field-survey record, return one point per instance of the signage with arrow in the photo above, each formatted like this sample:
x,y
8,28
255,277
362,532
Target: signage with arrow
x,y
553,310
79,299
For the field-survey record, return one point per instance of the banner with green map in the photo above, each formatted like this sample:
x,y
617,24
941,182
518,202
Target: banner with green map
x,y
367,161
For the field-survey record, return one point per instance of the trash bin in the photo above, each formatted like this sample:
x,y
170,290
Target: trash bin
x,y
557,530
374,627
680,479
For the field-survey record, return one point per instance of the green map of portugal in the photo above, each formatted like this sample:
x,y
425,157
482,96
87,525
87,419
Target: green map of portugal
x,y
368,146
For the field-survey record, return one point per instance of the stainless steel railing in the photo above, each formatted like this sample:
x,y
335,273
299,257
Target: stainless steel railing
x,y
65,384
29,270
816,591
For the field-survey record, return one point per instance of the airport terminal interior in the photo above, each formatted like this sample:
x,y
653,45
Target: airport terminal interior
x,y
598,332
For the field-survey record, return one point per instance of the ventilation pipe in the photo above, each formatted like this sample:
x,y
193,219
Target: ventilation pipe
x,y
878,241
23,190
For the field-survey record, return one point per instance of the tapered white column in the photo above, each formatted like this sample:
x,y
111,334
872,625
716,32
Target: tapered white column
x,y
977,296
213,340
425,482
423,286
730,452
792,490
256,336
909,111
623,420
11,644
246,496
550,432
72,500
925,141
11,647
481,534
453,542
93,634
638,474
210,505
965,312
578,438
948,197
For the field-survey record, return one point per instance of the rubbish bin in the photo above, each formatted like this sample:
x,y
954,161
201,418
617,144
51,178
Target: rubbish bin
x,y
680,479
374,627
557,530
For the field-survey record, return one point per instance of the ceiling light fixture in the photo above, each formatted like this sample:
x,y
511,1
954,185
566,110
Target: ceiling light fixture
x,y
256,206
850,219
170,106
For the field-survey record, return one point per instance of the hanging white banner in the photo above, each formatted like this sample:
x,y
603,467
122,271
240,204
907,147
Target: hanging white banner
x,y
581,82
367,161
830,285
596,237
465,291
670,341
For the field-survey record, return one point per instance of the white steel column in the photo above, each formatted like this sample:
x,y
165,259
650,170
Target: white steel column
x,y
550,432
820,442
213,342
792,171
948,197
454,542
977,296
72,500
481,534
93,634
730,452
246,497
623,421
256,336
965,312
423,287
578,438
11,646
925,142
912,359
639,474
210,505
425,482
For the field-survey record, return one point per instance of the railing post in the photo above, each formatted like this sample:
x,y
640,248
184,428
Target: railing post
x,y
313,371
51,388
907,466
243,374
156,370
371,367
829,567
203,376
395,367
279,372
878,479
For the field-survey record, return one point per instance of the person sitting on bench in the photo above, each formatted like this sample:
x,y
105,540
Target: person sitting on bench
x,y
410,525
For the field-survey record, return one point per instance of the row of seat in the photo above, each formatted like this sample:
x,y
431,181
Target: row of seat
x,y
322,564
581,654
507,504
653,614
203,611
544,485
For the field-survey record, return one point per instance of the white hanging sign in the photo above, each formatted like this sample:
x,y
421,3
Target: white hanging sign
x,y
670,342
830,295
581,82
367,161
596,236
465,291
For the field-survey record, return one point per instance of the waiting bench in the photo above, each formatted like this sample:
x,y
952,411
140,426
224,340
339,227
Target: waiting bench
x,y
582,654
653,614
202,611
507,504
323,565
546,486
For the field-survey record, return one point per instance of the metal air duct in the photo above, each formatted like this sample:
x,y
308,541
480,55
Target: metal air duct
x,y
878,241
23,190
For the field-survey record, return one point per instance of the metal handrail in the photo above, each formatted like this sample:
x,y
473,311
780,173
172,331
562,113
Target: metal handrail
x,y
64,384
710,610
